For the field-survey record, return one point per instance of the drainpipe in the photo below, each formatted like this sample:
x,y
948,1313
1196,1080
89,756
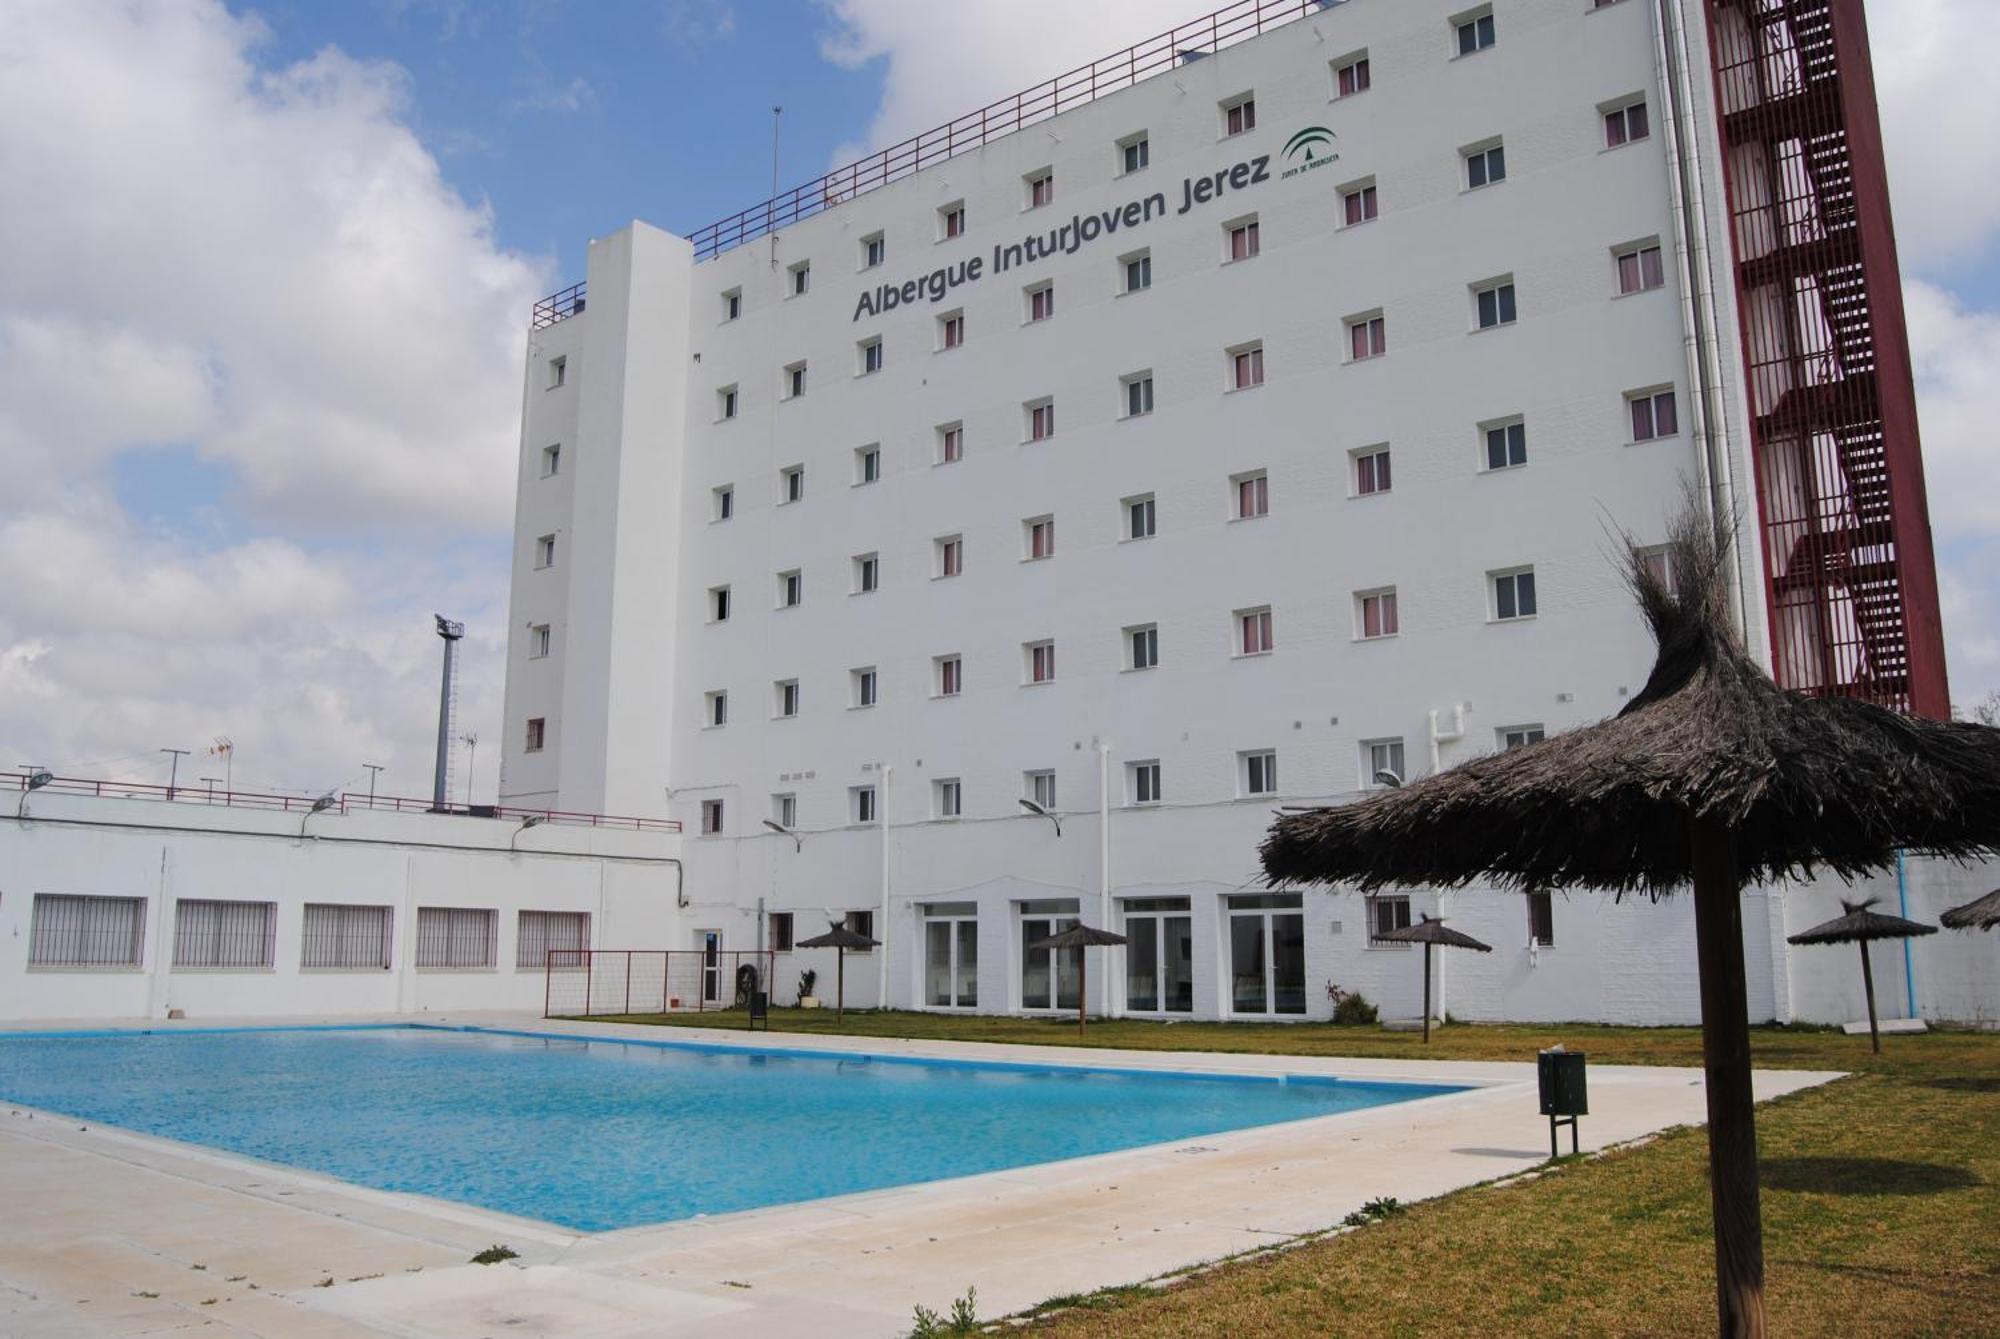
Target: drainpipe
x,y
882,921
1104,865
1903,910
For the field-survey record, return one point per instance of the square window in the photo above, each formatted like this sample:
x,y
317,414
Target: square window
x,y
1040,787
1386,913
725,403
951,330
1253,629
1041,658
948,794
1252,495
862,681
950,443
538,731
1640,269
1134,153
1382,760
718,604
1493,303
867,573
1371,471
791,589
545,551
873,251
1139,516
791,484
539,638
715,709
1259,772
867,465
861,804
950,555
551,461
1658,564
1514,595
951,221
801,278
787,692
711,817
779,923
1041,187
1142,647
1625,125
1041,302
1653,415
1485,166
1350,76
795,381
1520,736
785,813
1137,271
1239,116
862,922
1246,367
1243,239
1039,537
1376,614
950,675
1506,445
1138,394
1367,337
558,373
732,304
722,502
871,356
1041,420
1357,204
1474,31
1145,781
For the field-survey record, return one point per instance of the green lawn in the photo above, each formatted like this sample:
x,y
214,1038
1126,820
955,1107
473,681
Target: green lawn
x,y
1881,1214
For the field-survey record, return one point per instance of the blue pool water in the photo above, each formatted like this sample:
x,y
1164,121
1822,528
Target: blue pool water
x,y
598,1135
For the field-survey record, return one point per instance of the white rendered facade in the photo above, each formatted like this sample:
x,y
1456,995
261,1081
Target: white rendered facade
x,y
892,719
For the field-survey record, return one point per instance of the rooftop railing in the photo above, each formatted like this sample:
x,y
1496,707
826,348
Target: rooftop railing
x,y
558,307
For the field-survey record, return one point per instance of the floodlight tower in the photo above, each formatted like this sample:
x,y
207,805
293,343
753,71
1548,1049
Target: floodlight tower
x,y
451,633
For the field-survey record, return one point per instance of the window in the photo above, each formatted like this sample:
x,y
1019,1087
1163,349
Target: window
x,y
1485,167
1624,125
1658,564
1041,661
1520,736
1475,31
539,637
725,403
558,372
1039,537
873,251
948,797
339,938
540,933
1640,269
801,276
951,955
1253,628
1041,788
863,683
861,922
711,818
722,502
458,938
795,380
861,805
715,709
1252,495
785,810
867,573
791,484
552,461
1653,415
1134,153
950,675
1239,116
791,589
1506,445
950,443
1159,958
1541,920
951,330
1243,239
1041,187
1138,394
1386,913
1514,595
1139,517
1266,953
1041,302
718,604
1041,421
1371,471
950,555
1493,303
1142,647
1367,337
1381,758
1145,782
1138,271
1357,204
779,930
1259,774
537,734
545,551
81,931
788,698
867,464
951,221
1376,614
871,356
1246,367
732,304
1350,76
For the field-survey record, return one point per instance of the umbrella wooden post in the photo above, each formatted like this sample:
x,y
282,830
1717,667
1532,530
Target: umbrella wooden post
x,y
1732,1123
1868,989
1082,986
839,986
1427,994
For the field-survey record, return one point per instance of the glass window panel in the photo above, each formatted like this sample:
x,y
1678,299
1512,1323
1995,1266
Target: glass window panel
x,y
1246,964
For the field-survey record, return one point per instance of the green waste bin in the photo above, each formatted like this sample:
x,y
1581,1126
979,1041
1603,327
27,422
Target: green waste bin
x,y
1564,1096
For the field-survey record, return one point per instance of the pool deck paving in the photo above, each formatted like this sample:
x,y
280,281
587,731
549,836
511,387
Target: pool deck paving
x,y
113,1233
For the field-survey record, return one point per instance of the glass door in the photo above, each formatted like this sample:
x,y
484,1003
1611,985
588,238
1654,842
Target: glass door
x,y
1267,954
1048,976
1159,956
710,943
951,956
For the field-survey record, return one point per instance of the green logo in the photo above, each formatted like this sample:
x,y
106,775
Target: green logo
x,y
1304,141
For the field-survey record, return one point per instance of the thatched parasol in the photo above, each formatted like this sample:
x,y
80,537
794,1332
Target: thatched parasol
x,y
1081,937
1859,926
1979,914
1712,775
842,939
1429,931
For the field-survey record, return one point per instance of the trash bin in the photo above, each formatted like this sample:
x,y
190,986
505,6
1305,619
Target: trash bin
x,y
1564,1095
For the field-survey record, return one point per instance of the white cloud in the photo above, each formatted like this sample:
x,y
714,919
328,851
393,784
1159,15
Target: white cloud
x,y
264,267
1933,83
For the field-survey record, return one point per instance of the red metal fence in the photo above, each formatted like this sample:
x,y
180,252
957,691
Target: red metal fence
x,y
594,981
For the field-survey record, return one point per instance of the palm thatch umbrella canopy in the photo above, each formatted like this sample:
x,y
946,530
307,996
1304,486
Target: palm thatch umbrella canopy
x,y
1979,914
1712,775
1859,926
1431,932
1080,936
842,939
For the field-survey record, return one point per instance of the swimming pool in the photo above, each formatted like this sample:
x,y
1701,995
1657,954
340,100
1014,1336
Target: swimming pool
x,y
595,1134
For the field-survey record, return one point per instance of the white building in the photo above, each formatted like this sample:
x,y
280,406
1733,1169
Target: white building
x,y
1209,431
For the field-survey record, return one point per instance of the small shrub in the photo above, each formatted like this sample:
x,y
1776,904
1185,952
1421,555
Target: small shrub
x,y
963,1320
493,1255
807,979
1374,1211
1354,1010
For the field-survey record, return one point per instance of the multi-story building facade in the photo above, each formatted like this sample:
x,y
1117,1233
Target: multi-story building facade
x,y
995,532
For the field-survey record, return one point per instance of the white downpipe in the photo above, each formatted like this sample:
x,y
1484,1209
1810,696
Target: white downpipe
x,y
1104,868
1452,736
882,920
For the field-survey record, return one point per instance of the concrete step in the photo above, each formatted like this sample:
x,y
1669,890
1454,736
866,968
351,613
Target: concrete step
x,y
1886,1025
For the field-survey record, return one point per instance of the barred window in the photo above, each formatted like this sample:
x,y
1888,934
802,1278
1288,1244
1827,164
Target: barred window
x,y
73,931
456,936
545,932
345,938
212,933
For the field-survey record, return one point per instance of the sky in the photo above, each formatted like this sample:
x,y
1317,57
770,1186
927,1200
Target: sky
x,y
264,278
